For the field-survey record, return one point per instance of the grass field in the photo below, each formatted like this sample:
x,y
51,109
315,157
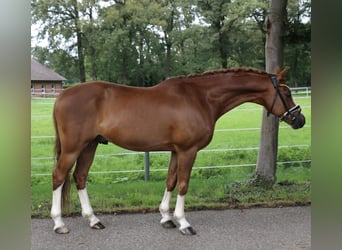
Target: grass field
x,y
235,142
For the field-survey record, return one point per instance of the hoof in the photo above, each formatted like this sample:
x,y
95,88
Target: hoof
x,y
188,231
98,225
168,224
62,230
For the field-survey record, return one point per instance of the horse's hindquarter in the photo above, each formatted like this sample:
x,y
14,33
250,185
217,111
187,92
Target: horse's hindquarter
x,y
147,119
76,111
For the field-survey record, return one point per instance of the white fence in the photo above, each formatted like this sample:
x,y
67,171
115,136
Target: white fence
x,y
301,90
147,169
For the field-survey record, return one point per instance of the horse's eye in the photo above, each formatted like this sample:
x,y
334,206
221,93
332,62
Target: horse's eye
x,y
287,93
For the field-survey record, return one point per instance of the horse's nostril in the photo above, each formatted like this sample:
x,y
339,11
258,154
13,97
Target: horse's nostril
x,y
298,122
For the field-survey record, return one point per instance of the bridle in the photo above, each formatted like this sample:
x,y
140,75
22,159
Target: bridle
x,y
289,112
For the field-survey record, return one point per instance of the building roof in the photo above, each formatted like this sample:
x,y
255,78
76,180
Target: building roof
x,y
40,72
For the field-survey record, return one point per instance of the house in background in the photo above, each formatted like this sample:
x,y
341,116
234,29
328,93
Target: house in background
x,y
44,81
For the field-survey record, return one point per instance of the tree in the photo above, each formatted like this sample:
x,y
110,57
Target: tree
x,y
227,19
141,42
275,31
58,60
130,44
176,16
89,8
62,24
298,39
219,15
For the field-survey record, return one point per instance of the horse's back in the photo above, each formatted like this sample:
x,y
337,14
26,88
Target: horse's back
x,y
84,96
82,92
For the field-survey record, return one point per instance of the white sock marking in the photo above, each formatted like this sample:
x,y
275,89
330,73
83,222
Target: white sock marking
x,y
87,210
179,212
56,209
165,206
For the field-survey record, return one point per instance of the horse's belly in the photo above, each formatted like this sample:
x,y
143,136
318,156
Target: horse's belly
x,y
141,140
148,133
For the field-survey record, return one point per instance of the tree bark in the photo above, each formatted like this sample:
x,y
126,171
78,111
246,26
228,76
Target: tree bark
x,y
274,49
168,42
80,47
92,50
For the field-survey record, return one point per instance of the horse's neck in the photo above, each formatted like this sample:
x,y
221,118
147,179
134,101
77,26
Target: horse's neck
x,y
229,91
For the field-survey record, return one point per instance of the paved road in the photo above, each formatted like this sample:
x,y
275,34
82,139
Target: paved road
x,y
258,228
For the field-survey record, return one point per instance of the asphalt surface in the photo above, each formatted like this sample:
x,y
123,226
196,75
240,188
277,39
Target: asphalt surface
x,y
258,228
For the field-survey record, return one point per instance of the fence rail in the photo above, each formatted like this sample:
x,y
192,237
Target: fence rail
x,y
147,169
166,169
167,152
216,130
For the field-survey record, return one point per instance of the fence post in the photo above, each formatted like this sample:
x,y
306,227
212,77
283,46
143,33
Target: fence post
x,y
147,166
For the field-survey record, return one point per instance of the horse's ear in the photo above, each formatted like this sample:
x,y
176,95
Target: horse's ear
x,y
283,72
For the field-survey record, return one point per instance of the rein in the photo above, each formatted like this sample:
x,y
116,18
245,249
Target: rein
x,y
289,112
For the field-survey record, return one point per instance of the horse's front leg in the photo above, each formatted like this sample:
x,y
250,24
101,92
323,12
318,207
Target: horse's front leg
x,y
164,208
185,227
185,163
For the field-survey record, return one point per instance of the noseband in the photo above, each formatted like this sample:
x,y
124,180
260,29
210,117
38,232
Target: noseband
x,y
289,112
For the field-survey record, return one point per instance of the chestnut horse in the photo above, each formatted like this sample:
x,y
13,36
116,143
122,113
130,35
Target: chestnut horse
x,y
177,115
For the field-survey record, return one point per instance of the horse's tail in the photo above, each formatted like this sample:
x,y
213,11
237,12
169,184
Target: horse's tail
x,y
66,194
66,186
57,148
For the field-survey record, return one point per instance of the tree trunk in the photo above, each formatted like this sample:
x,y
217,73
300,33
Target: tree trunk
x,y
168,40
92,50
223,50
79,42
274,49
168,59
80,56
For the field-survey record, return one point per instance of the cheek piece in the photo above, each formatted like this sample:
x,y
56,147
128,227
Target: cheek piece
x,y
290,112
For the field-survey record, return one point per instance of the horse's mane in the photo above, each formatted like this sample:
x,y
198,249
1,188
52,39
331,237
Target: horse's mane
x,y
222,71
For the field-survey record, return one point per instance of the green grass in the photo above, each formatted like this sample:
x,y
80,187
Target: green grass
x,y
209,188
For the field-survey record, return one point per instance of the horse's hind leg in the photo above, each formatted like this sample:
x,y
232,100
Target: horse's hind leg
x,y
166,220
83,164
59,176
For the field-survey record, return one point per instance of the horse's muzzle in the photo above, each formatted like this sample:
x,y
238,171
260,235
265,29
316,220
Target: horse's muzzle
x,y
294,117
298,121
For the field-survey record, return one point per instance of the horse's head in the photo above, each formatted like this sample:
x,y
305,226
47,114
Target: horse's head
x,y
282,104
